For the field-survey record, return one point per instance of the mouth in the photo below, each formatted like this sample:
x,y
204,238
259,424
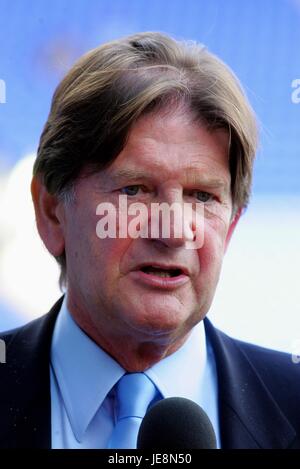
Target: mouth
x,y
161,276
162,271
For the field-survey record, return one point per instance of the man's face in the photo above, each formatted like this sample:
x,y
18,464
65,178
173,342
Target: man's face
x,y
113,292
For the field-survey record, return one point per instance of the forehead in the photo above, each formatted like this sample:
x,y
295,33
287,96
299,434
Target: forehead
x,y
172,144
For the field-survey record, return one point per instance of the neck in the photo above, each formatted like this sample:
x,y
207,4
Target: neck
x,y
132,354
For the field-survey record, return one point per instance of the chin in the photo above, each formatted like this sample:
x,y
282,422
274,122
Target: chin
x,y
158,321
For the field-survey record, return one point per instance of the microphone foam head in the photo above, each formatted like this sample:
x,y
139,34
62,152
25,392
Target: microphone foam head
x,y
176,423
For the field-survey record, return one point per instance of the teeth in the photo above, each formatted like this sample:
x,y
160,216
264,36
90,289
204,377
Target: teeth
x,y
160,273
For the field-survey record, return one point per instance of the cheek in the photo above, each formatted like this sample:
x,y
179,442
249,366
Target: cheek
x,y
85,246
110,254
212,252
82,245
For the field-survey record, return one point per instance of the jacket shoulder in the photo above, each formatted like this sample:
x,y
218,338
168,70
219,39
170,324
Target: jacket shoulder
x,y
280,373
25,406
269,361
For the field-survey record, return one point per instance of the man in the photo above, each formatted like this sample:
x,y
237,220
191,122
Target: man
x,y
157,122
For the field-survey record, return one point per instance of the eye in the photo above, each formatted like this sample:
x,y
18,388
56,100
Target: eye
x,y
203,196
130,190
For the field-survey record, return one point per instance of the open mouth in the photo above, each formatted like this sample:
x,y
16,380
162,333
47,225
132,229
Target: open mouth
x,y
160,272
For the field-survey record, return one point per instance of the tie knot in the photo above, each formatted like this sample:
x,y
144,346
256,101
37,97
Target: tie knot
x,y
135,392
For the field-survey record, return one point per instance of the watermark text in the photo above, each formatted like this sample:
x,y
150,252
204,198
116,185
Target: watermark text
x,y
296,351
296,92
160,220
2,351
2,92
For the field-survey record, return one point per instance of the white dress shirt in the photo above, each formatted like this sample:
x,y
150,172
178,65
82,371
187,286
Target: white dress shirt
x,y
82,377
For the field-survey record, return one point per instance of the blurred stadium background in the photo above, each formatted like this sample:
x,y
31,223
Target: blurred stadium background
x,y
258,298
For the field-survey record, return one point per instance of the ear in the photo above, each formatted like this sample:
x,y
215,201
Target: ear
x,y
232,226
48,213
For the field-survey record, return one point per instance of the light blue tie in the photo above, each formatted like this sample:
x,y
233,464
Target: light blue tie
x,y
135,392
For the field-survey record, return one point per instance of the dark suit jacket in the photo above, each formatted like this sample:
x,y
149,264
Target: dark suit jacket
x,y
259,390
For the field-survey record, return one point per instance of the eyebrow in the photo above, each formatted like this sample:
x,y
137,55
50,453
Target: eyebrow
x,y
189,176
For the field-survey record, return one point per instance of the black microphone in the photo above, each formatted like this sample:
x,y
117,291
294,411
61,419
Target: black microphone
x,y
176,423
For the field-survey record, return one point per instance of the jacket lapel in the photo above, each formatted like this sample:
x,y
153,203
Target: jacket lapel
x,y
25,398
249,416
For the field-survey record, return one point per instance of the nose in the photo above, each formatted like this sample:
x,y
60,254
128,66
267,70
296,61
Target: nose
x,y
171,221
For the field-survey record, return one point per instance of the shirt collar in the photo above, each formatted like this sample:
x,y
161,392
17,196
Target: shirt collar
x,y
181,374
82,368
